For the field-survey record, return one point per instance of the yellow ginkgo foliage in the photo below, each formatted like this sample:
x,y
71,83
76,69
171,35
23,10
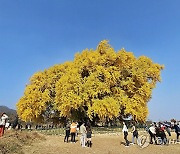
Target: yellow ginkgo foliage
x,y
97,83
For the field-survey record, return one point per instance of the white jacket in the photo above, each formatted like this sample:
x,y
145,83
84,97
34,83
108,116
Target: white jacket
x,y
3,119
152,129
124,129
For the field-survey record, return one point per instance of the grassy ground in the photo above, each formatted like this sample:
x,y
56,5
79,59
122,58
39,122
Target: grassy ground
x,y
105,141
102,144
13,141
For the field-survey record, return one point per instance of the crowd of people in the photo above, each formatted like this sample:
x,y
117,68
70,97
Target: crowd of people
x,y
134,132
84,129
155,130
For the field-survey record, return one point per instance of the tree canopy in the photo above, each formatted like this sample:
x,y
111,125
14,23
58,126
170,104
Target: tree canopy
x,y
99,83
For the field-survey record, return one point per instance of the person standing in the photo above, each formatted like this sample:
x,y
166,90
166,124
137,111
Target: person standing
x,y
146,128
163,134
89,134
3,119
73,131
167,128
134,134
83,135
177,131
77,129
67,128
152,133
125,132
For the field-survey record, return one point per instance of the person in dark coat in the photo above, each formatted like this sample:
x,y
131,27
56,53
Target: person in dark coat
x,y
67,129
89,135
177,131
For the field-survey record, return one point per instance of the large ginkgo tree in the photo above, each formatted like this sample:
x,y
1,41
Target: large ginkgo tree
x,y
99,83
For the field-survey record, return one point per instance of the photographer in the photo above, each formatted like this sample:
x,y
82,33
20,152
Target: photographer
x,y
3,119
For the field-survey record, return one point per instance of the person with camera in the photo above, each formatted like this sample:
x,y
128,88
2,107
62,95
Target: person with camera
x,y
3,120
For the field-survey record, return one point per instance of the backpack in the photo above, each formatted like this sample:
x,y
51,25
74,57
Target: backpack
x,y
135,133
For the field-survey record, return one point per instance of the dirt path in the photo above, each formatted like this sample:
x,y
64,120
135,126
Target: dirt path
x,y
102,144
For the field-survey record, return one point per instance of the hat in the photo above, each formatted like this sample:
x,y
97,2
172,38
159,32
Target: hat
x,y
3,113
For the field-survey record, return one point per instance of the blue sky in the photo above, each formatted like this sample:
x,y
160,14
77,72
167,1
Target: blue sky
x,y
36,34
